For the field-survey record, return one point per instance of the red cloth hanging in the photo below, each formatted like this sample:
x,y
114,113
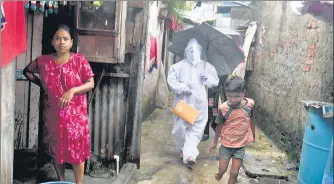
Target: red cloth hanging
x,y
153,49
13,36
173,24
153,53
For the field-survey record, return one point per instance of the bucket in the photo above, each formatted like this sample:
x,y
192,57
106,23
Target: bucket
x,y
316,142
328,174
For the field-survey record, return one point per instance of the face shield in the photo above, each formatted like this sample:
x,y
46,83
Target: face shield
x,y
193,52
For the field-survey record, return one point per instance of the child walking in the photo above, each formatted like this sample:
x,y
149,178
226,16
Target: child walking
x,y
233,128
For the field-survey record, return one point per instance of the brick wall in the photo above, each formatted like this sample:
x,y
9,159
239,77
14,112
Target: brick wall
x,y
293,62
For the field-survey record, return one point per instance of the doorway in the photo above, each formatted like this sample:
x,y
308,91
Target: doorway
x,y
66,15
28,151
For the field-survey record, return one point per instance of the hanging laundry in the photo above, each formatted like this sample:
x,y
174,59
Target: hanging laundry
x,y
3,19
97,4
13,37
42,6
198,4
55,7
173,24
33,5
27,4
153,54
50,7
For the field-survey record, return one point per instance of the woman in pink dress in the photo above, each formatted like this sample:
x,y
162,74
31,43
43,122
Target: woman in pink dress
x,y
66,78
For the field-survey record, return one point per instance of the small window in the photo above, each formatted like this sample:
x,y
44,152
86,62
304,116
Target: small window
x,y
224,11
94,17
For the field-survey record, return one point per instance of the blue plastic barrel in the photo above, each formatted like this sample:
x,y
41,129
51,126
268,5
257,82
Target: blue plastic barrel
x,y
328,174
316,145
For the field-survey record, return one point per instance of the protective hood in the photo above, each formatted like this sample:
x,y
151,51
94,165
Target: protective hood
x,y
194,52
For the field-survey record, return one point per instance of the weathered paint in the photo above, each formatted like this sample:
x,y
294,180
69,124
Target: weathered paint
x,y
279,80
7,98
137,72
155,29
26,93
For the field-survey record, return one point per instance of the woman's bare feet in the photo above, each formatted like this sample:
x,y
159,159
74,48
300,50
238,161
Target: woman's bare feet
x,y
218,176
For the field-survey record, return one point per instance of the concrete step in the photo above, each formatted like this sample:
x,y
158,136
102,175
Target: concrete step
x,y
257,166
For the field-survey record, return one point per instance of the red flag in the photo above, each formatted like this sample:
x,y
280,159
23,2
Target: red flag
x,y
13,36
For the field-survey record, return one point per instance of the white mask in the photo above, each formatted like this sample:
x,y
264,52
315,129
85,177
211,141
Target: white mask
x,y
193,52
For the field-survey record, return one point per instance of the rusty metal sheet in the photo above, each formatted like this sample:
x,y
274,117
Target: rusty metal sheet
x,y
107,116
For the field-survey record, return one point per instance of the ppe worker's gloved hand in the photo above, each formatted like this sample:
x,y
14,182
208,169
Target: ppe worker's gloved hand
x,y
204,77
187,91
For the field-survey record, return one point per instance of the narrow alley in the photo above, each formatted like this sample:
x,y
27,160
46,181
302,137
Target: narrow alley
x,y
160,161
125,92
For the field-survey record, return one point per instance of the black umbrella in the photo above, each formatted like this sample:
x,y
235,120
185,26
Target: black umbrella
x,y
220,49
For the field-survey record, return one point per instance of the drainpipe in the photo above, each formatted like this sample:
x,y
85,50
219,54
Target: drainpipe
x,y
116,157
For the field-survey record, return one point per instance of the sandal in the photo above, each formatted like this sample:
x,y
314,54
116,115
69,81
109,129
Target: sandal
x,y
181,155
191,161
204,137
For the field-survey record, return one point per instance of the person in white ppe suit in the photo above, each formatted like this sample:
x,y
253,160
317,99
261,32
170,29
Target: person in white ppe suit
x,y
188,79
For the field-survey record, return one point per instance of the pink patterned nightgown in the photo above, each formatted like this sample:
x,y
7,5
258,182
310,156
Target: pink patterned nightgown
x,y
66,131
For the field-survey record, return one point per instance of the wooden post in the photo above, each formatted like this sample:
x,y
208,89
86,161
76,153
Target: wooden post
x,y
7,110
133,131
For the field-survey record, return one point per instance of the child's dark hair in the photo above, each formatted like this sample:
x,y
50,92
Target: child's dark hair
x,y
235,84
64,27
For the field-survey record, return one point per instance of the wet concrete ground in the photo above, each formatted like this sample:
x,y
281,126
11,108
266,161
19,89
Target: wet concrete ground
x,y
49,174
160,163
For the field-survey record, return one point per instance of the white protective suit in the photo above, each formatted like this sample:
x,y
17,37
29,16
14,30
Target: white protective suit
x,y
188,79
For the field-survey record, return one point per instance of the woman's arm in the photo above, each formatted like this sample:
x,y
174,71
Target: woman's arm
x,y
87,75
84,88
28,72
68,95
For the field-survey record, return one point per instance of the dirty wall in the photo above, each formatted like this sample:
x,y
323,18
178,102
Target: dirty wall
x,y
7,108
293,62
155,29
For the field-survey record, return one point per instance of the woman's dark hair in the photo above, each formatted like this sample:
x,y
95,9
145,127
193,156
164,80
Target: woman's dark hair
x,y
64,27
235,84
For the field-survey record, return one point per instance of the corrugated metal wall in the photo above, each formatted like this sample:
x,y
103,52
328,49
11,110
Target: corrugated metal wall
x,y
108,116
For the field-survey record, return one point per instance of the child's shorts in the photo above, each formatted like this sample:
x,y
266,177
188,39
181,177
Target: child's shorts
x,y
227,153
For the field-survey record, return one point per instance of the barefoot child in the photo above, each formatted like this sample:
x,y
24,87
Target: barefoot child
x,y
233,128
